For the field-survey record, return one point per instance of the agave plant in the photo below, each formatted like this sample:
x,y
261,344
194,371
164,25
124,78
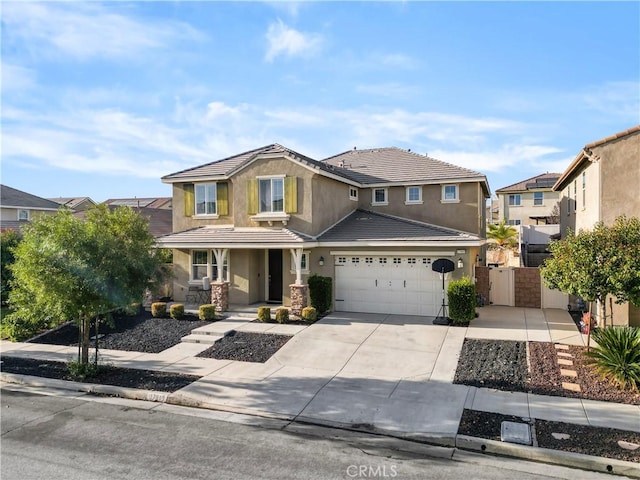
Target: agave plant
x,y
617,356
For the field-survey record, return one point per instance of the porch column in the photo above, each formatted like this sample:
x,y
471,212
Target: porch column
x,y
220,286
298,290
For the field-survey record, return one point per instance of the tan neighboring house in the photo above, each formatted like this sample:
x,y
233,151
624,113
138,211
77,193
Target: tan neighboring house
x,y
163,203
529,202
77,204
601,184
257,224
18,208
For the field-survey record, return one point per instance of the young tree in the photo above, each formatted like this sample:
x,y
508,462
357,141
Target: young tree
x,y
502,236
596,263
67,268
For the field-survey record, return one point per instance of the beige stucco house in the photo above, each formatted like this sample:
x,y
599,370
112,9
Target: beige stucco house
x,y
601,184
529,202
257,224
18,208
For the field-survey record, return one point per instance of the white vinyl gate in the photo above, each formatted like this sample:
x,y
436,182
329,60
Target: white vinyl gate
x,y
404,285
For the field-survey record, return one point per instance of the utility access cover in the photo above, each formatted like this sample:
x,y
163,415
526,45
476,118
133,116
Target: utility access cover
x,y
514,432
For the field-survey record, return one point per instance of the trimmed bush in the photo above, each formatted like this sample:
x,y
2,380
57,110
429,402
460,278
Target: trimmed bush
x,y
462,301
320,291
207,312
282,315
159,309
176,311
264,314
309,314
617,356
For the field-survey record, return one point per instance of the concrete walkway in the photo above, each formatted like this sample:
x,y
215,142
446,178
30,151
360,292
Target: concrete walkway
x,y
390,373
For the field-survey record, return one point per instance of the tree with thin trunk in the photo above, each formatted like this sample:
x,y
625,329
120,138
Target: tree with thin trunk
x,y
502,237
67,268
597,263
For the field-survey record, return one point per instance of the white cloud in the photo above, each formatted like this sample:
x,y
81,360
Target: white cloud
x,y
286,41
86,30
388,90
15,77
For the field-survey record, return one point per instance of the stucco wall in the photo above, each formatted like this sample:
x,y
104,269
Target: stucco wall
x,y
330,203
527,208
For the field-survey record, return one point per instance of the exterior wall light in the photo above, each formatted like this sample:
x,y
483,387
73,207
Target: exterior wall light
x,y
321,261
460,263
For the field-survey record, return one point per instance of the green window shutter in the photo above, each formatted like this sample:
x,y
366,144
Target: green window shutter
x,y
291,194
252,196
223,198
189,200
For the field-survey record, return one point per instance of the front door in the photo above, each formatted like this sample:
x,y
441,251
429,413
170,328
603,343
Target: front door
x,y
275,276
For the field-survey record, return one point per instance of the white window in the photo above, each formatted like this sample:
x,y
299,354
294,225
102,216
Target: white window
x,y
353,193
397,260
382,260
568,197
368,260
584,189
575,195
538,198
515,200
23,215
450,193
414,195
342,260
271,195
355,260
379,196
513,222
199,264
206,198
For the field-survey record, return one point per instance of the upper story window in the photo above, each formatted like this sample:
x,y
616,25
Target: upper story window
x,y
23,215
513,222
271,195
353,193
575,195
515,200
538,198
450,193
584,189
206,199
414,194
380,196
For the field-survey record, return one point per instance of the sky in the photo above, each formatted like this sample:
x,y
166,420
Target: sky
x,y
103,99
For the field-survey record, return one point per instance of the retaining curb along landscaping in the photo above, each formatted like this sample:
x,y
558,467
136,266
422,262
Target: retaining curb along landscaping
x,y
461,442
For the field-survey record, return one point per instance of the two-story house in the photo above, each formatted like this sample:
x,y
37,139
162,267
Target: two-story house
x,y
601,184
529,202
258,223
18,208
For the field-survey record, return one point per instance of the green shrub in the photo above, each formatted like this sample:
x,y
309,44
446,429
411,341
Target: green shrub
x,y
176,311
282,315
617,356
320,291
80,371
18,328
264,314
309,314
159,309
462,300
207,312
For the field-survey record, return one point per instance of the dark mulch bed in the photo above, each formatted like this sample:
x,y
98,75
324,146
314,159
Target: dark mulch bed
x,y
544,377
107,375
139,333
493,364
246,347
597,441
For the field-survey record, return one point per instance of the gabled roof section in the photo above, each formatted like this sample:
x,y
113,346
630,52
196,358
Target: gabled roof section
x,y
13,198
395,165
228,166
366,226
585,156
72,202
135,202
543,181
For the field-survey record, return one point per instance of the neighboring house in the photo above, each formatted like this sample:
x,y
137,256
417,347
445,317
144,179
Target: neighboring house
x,y
529,202
493,212
77,204
258,223
164,203
18,208
599,185
160,220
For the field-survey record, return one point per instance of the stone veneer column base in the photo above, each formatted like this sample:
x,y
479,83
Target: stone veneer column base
x,y
298,299
220,296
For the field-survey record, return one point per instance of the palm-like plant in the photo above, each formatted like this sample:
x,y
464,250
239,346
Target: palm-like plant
x,y
617,356
502,236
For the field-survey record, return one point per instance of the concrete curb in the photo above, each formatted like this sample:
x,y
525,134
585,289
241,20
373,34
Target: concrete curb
x,y
545,455
462,442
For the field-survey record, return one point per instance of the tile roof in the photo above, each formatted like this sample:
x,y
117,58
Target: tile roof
x,y
613,137
363,225
154,202
11,197
392,164
545,180
160,220
71,202
232,237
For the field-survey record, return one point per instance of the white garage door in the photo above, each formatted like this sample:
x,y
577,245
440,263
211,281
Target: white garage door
x,y
399,284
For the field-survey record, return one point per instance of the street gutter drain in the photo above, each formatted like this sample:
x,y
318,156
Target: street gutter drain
x,y
514,432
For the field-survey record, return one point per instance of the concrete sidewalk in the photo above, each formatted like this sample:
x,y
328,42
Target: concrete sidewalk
x,y
384,373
